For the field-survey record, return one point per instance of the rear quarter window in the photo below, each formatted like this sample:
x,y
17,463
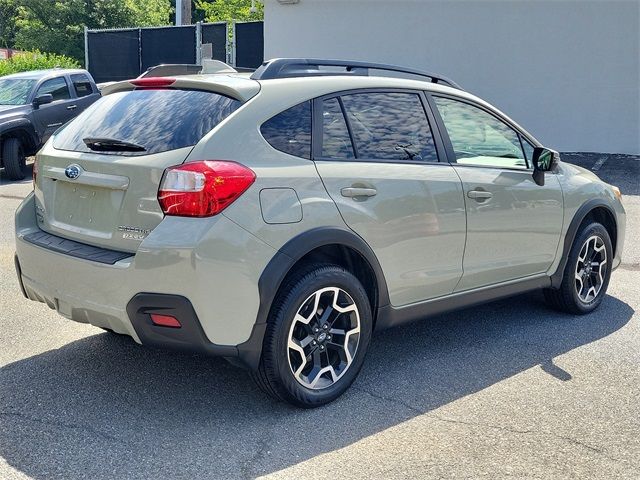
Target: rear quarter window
x,y
158,120
290,130
81,84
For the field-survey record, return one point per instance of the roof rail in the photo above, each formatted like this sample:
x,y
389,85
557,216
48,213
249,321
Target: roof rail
x,y
310,67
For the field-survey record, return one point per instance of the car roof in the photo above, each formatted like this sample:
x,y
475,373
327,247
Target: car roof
x,y
284,93
41,74
241,86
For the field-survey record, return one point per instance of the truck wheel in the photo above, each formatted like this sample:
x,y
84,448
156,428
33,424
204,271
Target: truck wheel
x,y
13,159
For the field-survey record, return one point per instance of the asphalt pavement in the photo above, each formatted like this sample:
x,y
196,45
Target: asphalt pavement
x,y
510,389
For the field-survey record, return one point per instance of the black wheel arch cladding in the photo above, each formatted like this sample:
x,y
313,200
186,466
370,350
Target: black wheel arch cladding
x,y
298,247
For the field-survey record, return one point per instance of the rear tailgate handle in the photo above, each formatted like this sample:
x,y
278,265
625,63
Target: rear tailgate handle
x,y
95,179
72,107
479,195
358,192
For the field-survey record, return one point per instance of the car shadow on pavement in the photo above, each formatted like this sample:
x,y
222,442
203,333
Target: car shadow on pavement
x,y
104,407
27,179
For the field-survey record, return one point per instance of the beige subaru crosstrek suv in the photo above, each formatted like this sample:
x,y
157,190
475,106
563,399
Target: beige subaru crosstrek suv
x,y
278,218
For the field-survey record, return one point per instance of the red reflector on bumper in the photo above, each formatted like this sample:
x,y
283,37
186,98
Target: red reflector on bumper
x,y
165,320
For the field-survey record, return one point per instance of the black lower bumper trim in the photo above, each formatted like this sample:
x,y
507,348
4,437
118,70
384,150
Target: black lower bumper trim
x,y
190,337
75,249
19,273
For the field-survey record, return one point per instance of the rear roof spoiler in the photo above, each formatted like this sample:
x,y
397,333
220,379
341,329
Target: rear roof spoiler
x,y
231,86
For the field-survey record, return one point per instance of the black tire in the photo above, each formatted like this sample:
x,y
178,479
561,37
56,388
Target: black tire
x,y
566,298
13,159
275,374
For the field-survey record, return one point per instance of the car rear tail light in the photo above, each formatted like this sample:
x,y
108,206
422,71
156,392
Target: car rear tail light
x,y
153,82
204,188
165,320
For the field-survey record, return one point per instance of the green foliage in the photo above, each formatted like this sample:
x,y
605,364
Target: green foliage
x,y
8,12
228,10
36,60
149,13
58,26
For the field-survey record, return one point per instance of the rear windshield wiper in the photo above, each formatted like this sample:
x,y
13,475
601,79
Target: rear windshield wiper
x,y
112,145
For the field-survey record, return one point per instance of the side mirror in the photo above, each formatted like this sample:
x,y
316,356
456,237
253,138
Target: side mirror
x,y
42,100
544,160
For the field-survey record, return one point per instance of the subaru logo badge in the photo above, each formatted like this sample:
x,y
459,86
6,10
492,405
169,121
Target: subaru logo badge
x,y
73,171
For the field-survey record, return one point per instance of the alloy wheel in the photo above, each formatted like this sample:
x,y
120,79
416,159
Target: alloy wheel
x,y
591,269
323,338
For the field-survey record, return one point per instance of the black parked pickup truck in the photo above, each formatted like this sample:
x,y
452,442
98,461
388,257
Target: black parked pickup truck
x,y
35,104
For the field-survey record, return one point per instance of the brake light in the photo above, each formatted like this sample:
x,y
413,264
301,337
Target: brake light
x,y
153,82
204,188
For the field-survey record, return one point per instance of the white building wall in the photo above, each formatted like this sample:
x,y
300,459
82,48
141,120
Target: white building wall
x,y
567,70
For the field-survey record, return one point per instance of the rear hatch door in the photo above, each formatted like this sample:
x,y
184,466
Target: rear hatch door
x,y
98,179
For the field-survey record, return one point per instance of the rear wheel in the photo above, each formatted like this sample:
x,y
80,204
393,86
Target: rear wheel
x,y
318,334
13,159
587,273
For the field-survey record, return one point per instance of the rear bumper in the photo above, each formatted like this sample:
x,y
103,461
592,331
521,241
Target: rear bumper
x,y
190,336
215,265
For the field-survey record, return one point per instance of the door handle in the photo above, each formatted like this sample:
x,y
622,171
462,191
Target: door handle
x,y
72,107
479,195
358,192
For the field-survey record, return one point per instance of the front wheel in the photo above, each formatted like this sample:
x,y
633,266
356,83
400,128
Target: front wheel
x,y
317,337
587,273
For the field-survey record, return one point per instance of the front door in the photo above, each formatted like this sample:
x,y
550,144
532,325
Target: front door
x,y
513,224
391,190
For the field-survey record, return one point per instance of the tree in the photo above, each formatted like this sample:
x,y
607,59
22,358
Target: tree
x,y
229,10
58,26
149,13
8,12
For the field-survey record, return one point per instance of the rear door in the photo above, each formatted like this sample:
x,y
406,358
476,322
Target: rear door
x,y
513,224
104,194
85,91
378,156
51,116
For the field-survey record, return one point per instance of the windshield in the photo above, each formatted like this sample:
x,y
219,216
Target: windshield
x,y
140,122
15,91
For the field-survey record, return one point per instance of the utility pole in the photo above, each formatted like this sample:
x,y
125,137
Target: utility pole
x,y
183,12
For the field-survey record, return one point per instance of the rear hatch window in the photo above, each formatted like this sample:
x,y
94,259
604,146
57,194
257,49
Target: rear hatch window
x,y
145,121
119,149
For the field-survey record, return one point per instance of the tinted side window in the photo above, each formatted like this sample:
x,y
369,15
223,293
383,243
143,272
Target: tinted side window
x,y
390,126
479,138
290,131
82,85
57,87
336,142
